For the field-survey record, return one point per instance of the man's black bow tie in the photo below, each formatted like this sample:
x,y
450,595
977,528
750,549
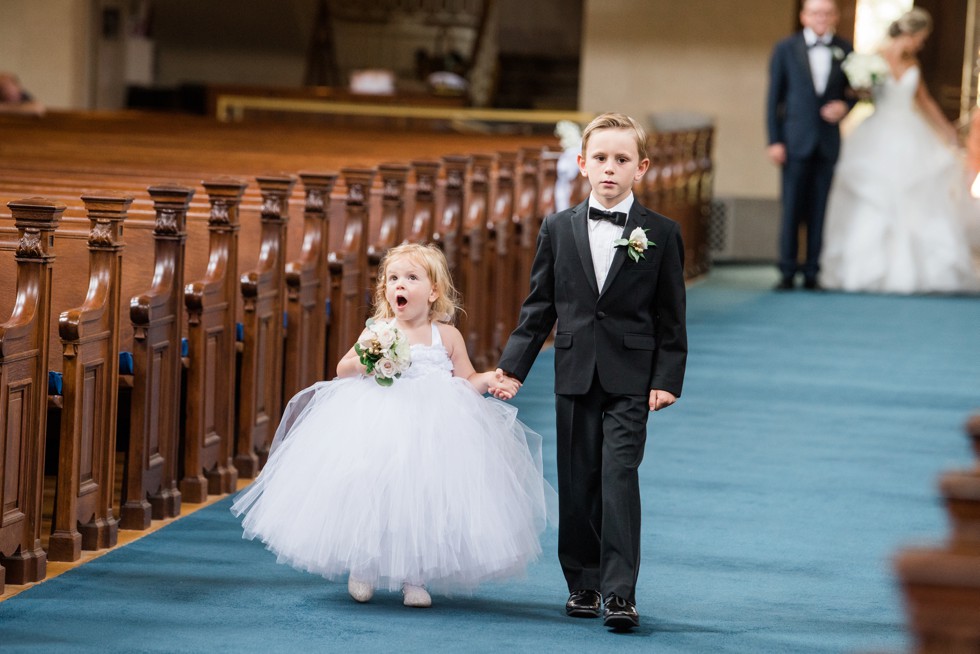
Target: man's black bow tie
x,y
816,43
615,217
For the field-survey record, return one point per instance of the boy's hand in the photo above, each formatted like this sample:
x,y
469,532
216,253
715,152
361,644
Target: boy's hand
x,y
661,400
503,386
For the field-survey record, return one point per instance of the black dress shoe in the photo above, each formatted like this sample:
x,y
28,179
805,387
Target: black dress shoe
x,y
812,285
620,614
785,284
583,604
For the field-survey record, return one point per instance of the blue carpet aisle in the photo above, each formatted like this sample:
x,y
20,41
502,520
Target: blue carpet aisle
x,y
803,455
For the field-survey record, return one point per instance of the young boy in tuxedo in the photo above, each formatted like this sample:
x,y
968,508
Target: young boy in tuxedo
x,y
610,272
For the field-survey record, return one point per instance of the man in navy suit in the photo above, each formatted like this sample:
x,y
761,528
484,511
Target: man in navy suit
x,y
808,97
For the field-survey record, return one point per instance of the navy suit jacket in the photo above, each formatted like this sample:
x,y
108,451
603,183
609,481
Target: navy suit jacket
x,y
632,331
793,107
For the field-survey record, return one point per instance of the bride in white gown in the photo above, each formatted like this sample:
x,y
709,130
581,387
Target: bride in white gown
x,y
899,206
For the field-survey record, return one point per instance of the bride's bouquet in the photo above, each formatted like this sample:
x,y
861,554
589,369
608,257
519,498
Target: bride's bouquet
x,y
865,70
384,351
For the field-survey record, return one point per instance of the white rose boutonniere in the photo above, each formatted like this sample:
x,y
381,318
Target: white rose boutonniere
x,y
636,244
837,53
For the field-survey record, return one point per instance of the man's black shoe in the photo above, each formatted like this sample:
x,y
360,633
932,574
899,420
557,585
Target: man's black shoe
x,y
583,604
785,284
812,285
620,614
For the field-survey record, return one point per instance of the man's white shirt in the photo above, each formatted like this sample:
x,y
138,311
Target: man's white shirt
x,y
820,57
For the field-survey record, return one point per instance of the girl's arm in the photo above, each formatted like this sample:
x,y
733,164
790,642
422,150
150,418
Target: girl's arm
x,y
933,113
350,365
484,382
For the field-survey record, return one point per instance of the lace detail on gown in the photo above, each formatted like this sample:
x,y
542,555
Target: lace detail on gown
x,y
899,204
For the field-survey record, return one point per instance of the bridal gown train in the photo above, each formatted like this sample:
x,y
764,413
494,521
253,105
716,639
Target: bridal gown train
x,y
899,205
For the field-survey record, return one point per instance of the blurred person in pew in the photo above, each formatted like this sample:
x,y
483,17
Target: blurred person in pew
x,y
808,97
400,475
608,273
15,99
899,206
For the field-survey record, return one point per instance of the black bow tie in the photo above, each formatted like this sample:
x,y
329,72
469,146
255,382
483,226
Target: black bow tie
x,y
615,217
818,42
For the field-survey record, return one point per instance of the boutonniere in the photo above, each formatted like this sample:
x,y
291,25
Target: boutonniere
x,y
636,244
837,52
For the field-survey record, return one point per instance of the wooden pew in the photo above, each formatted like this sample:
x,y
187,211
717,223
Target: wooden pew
x,y
350,278
308,286
502,256
446,231
941,585
211,304
527,221
83,516
423,218
263,293
472,279
23,394
157,315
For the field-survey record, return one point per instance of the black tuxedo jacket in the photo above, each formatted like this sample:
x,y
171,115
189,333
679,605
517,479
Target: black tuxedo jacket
x,y
633,331
793,106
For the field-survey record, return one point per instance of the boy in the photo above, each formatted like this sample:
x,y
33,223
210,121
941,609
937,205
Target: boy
x,y
611,273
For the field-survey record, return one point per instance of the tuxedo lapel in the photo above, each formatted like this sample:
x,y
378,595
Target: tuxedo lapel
x,y
580,230
636,218
799,48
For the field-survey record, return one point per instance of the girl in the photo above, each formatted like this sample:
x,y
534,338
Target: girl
x,y
420,484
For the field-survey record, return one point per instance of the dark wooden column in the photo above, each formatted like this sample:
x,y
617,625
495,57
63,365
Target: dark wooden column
x,y
212,303
423,220
502,259
158,318
471,279
83,517
264,295
352,282
23,393
446,233
308,288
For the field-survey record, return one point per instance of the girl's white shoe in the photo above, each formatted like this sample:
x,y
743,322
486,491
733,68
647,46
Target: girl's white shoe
x,y
360,590
416,596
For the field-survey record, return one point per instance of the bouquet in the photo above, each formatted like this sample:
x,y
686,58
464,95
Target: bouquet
x,y
865,70
384,351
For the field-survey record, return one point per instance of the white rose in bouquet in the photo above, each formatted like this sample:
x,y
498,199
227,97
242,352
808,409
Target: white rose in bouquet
x,y
865,70
384,351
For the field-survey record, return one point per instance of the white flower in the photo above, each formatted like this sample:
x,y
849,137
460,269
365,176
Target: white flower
x,y
385,333
865,70
385,368
569,134
837,52
636,244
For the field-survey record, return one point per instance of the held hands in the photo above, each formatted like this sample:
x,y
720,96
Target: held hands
x,y
502,386
661,400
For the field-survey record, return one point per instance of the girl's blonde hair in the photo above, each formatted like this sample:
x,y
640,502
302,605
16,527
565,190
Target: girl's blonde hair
x,y
433,261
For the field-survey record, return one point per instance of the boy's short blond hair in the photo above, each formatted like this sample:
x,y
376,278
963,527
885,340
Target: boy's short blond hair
x,y
616,121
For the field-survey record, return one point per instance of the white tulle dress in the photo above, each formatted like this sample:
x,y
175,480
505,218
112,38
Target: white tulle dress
x,y
899,207
423,482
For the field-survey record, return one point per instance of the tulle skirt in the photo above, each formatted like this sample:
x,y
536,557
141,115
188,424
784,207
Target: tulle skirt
x,y
424,482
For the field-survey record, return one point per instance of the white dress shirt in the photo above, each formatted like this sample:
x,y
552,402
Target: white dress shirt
x,y
819,56
602,233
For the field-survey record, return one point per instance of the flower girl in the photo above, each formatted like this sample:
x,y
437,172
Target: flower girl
x,y
399,474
